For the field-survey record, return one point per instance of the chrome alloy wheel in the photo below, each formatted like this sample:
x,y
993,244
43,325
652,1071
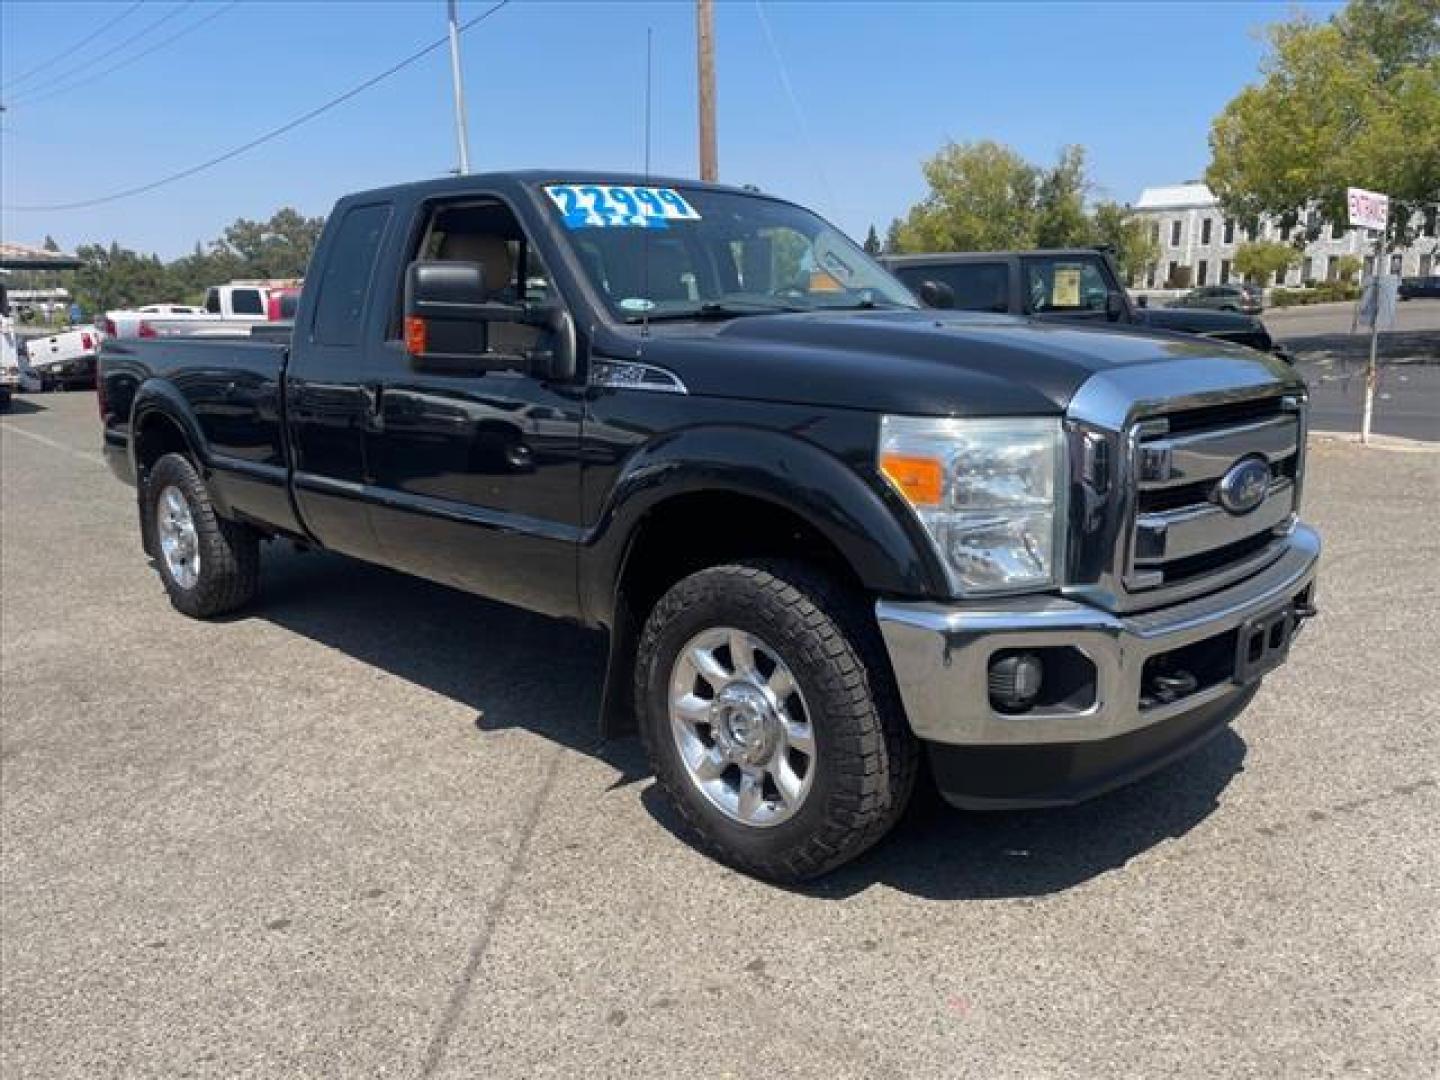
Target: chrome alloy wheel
x,y
742,727
179,543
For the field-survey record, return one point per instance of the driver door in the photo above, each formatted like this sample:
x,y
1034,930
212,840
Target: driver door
x,y
476,474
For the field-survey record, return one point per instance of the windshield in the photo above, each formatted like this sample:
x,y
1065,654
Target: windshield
x,y
657,253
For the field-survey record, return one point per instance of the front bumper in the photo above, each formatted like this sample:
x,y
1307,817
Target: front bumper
x,y
941,656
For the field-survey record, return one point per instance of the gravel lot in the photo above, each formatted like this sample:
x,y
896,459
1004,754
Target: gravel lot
x,y
365,829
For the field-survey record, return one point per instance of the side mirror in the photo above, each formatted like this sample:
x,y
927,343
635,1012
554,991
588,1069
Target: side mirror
x,y
937,294
556,357
448,314
1114,307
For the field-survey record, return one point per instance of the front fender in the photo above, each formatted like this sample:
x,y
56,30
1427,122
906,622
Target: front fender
x,y
866,522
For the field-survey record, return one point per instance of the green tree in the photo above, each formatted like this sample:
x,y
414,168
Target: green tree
x,y
116,277
872,242
1347,268
894,245
1060,219
277,248
1127,236
986,197
1351,101
982,197
1262,260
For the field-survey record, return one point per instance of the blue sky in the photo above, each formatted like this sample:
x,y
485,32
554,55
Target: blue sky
x,y
879,86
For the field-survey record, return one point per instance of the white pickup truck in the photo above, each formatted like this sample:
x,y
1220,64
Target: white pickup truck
x,y
9,353
66,359
228,309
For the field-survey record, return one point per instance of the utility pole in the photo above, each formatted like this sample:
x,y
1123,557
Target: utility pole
x,y
461,133
705,30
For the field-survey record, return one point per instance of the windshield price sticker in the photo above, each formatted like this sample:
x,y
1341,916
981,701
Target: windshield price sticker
x,y
591,206
1065,289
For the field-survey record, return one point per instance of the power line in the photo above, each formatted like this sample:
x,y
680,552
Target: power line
x,y
795,106
65,52
273,133
105,54
88,79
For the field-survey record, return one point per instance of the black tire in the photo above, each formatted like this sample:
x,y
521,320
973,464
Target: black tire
x,y
229,552
866,756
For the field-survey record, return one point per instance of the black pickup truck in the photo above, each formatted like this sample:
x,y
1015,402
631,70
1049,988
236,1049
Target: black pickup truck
x,y
834,538
1071,284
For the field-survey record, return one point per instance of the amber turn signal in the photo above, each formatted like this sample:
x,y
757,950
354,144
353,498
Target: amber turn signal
x,y
920,479
415,337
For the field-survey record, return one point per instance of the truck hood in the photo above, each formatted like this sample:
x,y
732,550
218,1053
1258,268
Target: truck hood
x,y
920,362
1197,320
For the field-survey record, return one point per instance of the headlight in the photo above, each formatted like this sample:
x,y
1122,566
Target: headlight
x,y
989,492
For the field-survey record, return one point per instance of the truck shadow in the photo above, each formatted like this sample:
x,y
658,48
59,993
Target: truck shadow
x,y
521,670
945,854
514,669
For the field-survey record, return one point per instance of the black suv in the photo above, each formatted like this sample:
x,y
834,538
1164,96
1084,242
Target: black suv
x,y
1075,284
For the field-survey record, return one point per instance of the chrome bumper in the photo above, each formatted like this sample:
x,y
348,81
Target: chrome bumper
x,y
941,654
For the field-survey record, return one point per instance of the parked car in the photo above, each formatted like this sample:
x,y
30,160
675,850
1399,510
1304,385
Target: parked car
x,y
1412,288
65,360
1247,299
833,537
228,309
1072,285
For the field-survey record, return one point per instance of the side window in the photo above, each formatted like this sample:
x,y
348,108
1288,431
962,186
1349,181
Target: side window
x,y
247,302
212,300
977,286
346,278
1077,285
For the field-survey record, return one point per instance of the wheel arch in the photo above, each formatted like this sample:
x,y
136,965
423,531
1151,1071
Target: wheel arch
x,y
783,497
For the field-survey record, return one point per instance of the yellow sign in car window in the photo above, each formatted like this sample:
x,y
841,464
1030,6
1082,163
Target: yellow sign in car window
x,y
1065,287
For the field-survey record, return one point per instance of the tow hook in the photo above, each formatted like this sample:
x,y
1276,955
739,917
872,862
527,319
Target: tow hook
x,y
1167,687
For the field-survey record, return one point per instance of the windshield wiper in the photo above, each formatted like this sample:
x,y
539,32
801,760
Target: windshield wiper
x,y
715,309
868,303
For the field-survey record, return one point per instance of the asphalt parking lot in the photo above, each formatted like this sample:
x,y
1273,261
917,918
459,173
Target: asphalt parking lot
x,y
366,829
1333,361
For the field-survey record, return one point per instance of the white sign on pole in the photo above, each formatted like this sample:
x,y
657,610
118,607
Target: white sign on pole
x,y
1368,209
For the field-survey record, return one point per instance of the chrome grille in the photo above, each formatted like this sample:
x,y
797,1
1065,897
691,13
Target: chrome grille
x,y
1179,534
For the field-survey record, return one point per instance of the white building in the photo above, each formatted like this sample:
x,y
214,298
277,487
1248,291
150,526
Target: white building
x,y
1192,231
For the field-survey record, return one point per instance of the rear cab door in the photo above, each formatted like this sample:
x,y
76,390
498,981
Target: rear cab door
x,y
338,360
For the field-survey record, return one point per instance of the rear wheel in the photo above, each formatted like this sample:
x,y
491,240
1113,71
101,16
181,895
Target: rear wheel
x,y
770,718
209,565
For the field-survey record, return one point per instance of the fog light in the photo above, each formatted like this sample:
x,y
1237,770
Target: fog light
x,y
1015,680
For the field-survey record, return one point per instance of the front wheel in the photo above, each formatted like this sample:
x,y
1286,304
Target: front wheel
x,y
771,720
209,565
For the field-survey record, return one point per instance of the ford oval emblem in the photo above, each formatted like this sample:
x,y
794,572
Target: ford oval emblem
x,y
1244,486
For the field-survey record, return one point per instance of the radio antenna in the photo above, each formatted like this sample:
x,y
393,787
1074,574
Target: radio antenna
x,y
649,83
645,233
